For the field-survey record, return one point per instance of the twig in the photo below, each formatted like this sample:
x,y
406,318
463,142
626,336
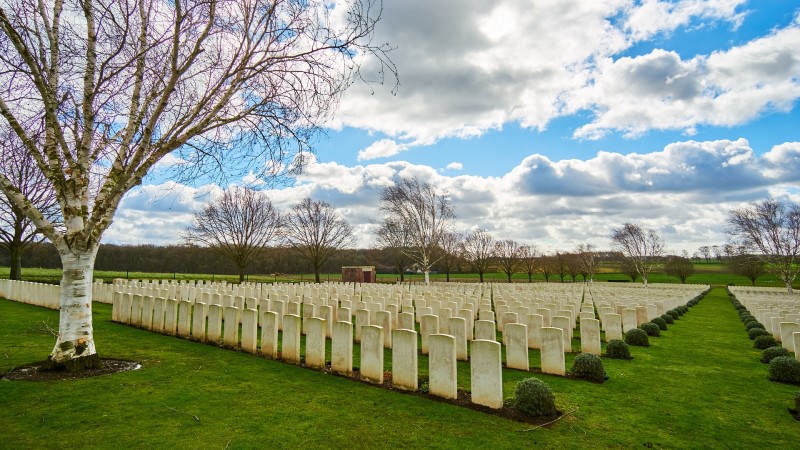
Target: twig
x,y
228,444
182,412
551,422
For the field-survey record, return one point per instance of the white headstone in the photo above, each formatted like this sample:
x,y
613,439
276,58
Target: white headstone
x,y
342,348
553,351
404,359
486,373
372,354
442,366
515,337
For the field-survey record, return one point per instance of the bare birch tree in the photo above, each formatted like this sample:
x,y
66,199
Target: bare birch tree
x,y
17,231
771,228
317,231
478,249
426,214
641,248
587,258
100,91
507,253
238,226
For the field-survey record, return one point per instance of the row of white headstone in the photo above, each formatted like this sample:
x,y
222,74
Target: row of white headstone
x,y
777,310
39,294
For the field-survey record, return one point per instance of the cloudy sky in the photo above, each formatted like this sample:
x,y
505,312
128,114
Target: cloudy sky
x,y
552,122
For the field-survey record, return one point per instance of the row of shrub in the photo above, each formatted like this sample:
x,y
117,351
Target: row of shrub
x,y
782,366
534,397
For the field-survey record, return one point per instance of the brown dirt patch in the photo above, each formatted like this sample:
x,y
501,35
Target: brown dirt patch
x,y
35,371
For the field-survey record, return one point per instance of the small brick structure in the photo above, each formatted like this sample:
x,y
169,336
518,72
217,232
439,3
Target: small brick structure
x,y
358,274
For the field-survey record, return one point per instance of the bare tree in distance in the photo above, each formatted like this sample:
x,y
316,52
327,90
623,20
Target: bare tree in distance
x,y
680,267
627,267
706,252
771,228
478,249
546,266
529,260
424,212
17,231
588,261
450,246
238,226
394,238
748,266
642,248
560,263
100,91
507,253
717,251
317,231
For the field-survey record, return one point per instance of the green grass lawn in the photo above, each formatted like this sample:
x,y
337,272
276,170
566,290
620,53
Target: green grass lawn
x,y
699,385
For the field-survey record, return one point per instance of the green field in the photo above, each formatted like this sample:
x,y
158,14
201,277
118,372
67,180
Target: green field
x,y
699,385
706,273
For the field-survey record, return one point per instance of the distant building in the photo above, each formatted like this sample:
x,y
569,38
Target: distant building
x,y
358,274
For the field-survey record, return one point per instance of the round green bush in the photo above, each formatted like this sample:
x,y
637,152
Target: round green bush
x,y
673,313
764,342
750,324
746,318
785,369
682,310
667,318
532,396
756,332
662,324
771,353
651,329
617,349
637,336
587,366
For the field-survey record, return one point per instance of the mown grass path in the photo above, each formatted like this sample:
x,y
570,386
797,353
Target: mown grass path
x,y
699,385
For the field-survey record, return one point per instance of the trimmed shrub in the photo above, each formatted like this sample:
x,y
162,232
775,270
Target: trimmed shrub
x,y
785,369
667,318
750,324
532,396
674,314
764,342
756,332
746,318
651,329
588,366
682,310
771,353
637,336
617,349
662,324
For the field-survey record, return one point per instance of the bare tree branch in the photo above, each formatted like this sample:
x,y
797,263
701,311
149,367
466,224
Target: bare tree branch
x,y
317,231
478,249
423,212
642,248
771,228
238,226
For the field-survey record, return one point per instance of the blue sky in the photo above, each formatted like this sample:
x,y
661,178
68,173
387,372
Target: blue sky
x,y
552,122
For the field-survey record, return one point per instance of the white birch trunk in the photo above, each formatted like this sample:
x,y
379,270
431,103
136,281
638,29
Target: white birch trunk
x,y
74,347
427,276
